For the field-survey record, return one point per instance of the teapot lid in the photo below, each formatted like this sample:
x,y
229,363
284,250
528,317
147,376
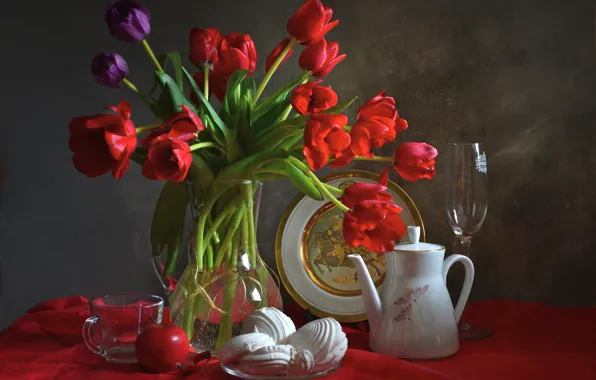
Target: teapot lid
x,y
414,244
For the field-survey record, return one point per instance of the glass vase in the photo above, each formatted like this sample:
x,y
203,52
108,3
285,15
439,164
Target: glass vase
x,y
222,278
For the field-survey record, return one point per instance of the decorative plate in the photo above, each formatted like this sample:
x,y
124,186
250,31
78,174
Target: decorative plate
x,y
311,254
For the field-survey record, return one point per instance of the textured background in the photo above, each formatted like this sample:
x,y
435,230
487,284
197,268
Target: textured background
x,y
517,75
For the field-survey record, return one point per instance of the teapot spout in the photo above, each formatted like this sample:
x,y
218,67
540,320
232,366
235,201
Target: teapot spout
x,y
372,301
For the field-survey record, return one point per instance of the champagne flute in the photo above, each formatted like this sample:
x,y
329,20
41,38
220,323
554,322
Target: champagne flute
x,y
466,204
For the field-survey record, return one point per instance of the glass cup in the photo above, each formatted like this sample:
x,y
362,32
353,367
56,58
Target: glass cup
x,y
116,321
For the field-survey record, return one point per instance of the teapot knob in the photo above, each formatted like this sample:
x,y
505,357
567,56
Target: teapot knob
x,y
414,234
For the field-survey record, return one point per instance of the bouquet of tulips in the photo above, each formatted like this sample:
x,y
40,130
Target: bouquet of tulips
x,y
213,153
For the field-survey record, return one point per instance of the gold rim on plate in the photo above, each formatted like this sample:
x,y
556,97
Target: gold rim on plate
x,y
392,186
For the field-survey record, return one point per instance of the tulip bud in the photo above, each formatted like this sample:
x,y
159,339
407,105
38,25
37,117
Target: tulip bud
x,y
311,22
312,98
109,69
320,58
203,46
414,161
128,20
272,57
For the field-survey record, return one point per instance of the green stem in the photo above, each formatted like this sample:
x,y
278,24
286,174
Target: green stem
x,y
318,183
288,109
272,70
270,171
206,145
245,238
347,128
146,128
334,189
200,234
235,223
296,148
374,159
220,218
151,55
233,259
188,315
286,112
209,250
225,325
215,234
206,82
201,306
136,90
252,241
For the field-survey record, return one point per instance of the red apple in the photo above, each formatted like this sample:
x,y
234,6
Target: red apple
x,y
161,348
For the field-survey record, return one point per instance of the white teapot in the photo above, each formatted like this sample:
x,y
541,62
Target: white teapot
x,y
413,316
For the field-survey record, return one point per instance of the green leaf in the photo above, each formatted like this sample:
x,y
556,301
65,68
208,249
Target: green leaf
x,y
199,170
232,147
249,85
278,137
341,107
244,168
171,97
242,126
234,89
200,176
286,124
163,60
289,142
277,97
271,117
302,182
209,111
167,226
174,57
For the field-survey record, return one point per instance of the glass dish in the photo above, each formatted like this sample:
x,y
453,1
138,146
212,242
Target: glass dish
x,y
235,371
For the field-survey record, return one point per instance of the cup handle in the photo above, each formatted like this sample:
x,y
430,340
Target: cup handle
x,y
88,335
468,280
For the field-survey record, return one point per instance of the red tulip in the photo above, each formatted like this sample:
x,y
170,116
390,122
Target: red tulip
x,y
276,52
203,46
378,123
380,106
312,98
324,137
414,161
365,191
185,126
161,348
367,134
311,22
376,225
237,52
320,58
168,159
342,160
103,142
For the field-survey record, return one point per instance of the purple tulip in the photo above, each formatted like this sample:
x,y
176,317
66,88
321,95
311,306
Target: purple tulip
x,y
109,69
128,20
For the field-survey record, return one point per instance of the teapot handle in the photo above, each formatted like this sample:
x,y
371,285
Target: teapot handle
x,y
468,280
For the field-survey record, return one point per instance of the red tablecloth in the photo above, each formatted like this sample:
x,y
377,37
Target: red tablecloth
x,y
531,341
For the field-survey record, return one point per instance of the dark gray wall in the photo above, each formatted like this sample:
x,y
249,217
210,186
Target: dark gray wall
x,y
518,75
